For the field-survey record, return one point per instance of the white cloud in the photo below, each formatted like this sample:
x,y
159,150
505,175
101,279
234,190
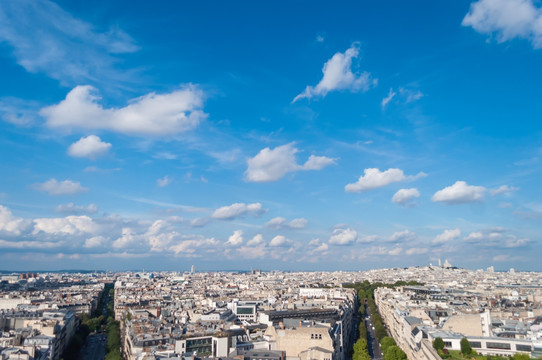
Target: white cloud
x,y
417,251
152,114
338,75
95,241
503,189
47,39
257,252
71,208
403,236
272,165
163,182
317,162
280,241
189,247
410,95
281,223
236,239
374,178
18,111
343,236
70,225
128,238
29,244
323,247
395,251
90,147
404,196
55,187
506,19
238,209
10,223
447,235
459,193
256,240
388,98
496,238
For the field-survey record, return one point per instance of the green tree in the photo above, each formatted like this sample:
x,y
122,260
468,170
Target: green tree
x,y
519,356
386,342
466,349
438,343
394,352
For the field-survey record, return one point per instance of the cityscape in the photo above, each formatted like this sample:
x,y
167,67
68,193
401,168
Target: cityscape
x,y
270,180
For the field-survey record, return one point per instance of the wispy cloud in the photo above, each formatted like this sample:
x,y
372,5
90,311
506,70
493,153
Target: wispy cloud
x,y
47,39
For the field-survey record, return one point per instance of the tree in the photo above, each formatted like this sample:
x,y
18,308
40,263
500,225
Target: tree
x,y
386,342
466,349
519,356
394,352
438,343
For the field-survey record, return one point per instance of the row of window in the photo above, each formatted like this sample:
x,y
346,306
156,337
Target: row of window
x,y
502,346
316,336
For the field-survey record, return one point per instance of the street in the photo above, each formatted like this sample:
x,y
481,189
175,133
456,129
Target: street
x,y
372,341
94,348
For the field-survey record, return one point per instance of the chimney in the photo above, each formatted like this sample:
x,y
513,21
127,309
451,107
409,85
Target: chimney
x,y
158,311
281,325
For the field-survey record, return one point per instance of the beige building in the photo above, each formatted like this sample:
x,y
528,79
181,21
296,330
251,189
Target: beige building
x,y
306,341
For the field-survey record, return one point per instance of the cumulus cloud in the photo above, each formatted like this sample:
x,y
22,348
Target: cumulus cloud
x,y
163,182
459,193
506,20
374,178
404,196
236,210
128,238
236,239
11,224
152,114
343,236
273,164
55,187
257,252
72,209
496,238
90,147
95,241
281,223
256,240
503,189
338,75
280,241
403,236
388,98
70,225
447,235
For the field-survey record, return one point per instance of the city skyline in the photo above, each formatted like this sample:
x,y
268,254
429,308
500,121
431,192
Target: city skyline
x,y
279,136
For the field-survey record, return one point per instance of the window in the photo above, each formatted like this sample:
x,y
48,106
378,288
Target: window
x,y
447,344
495,345
475,344
523,347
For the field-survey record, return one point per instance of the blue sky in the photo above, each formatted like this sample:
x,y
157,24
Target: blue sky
x,y
296,136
